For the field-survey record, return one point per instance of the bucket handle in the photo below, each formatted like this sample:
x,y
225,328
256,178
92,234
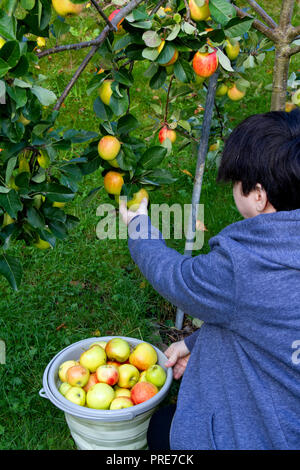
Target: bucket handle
x,y
42,393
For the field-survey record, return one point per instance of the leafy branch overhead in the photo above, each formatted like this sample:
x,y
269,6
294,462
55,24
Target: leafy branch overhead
x,y
182,42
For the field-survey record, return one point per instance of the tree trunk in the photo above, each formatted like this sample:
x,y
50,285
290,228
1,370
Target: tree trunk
x,y
280,78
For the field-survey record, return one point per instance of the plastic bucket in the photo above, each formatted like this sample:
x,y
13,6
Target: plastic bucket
x,y
91,429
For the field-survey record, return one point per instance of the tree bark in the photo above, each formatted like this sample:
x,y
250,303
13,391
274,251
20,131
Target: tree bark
x,y
280,78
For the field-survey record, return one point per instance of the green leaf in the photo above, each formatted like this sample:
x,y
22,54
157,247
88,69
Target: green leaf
x,y
221,11
224,61
18,95
10,168
11,53
101,110
60,27
2,90
127,159
152,39
11,203
152,157
57,192
27,4
174,32
158,177
45,97
35,218
238,27
11,269
150,53
126,124
123,76
4,67
166,54
119,105
158,78
58,229
8,26
183,71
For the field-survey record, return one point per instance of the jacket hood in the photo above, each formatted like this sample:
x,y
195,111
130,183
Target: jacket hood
x,y
275,236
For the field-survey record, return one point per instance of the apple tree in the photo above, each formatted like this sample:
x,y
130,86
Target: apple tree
x,y
196,52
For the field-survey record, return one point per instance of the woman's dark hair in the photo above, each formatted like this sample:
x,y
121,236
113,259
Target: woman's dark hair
x,y
265,149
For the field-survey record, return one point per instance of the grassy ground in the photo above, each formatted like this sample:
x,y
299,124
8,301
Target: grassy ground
x,y
88,287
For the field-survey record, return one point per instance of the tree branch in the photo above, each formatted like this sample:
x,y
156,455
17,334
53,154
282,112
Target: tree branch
x,y
286,13
107,21
100,39
262,13
157,7
69,47
268,32
168,100
294,50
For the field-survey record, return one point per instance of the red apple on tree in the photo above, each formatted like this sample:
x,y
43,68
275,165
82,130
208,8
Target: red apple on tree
x,y
166,133
205,63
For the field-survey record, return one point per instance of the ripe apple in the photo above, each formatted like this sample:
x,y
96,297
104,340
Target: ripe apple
x,y
156,375
117,349
135,202
199,13
66,7
78,376
43,159
205,63
2,42
121,402
143,391
105,91
122,392
92,381
113,182
221,90
143,376
99,343
109,147
128,376
76,395
296,97
235,94
62,371
143,356
114,363
232,48
107,374
166,133
92,358
64,388
100,396
41,42
111,17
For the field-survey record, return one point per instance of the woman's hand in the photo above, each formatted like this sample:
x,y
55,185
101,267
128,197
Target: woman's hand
x,y
178,356
128,215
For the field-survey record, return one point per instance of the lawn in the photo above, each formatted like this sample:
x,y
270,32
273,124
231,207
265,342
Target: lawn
x,y
86,287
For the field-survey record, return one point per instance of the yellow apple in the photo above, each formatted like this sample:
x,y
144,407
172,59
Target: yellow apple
x,y
78,376
122,392
76,395
113,182
232,48
143,376
64,388
41,42
2,42
156,375
102,344
66,7
128,376
121,402
43,159
23,120
109,147
105,91
92,358
58,204
63,369
100,396
117,349
143,356
235,94
199,13
135,202
23,165
221,90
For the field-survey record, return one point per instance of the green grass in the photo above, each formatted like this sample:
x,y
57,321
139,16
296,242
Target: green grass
x,y
86,286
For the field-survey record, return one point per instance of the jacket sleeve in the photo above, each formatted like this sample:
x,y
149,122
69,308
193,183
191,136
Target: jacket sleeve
x,y
202,286
191,340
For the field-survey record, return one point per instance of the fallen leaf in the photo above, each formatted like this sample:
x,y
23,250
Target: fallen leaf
x,y
186,172
63,325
